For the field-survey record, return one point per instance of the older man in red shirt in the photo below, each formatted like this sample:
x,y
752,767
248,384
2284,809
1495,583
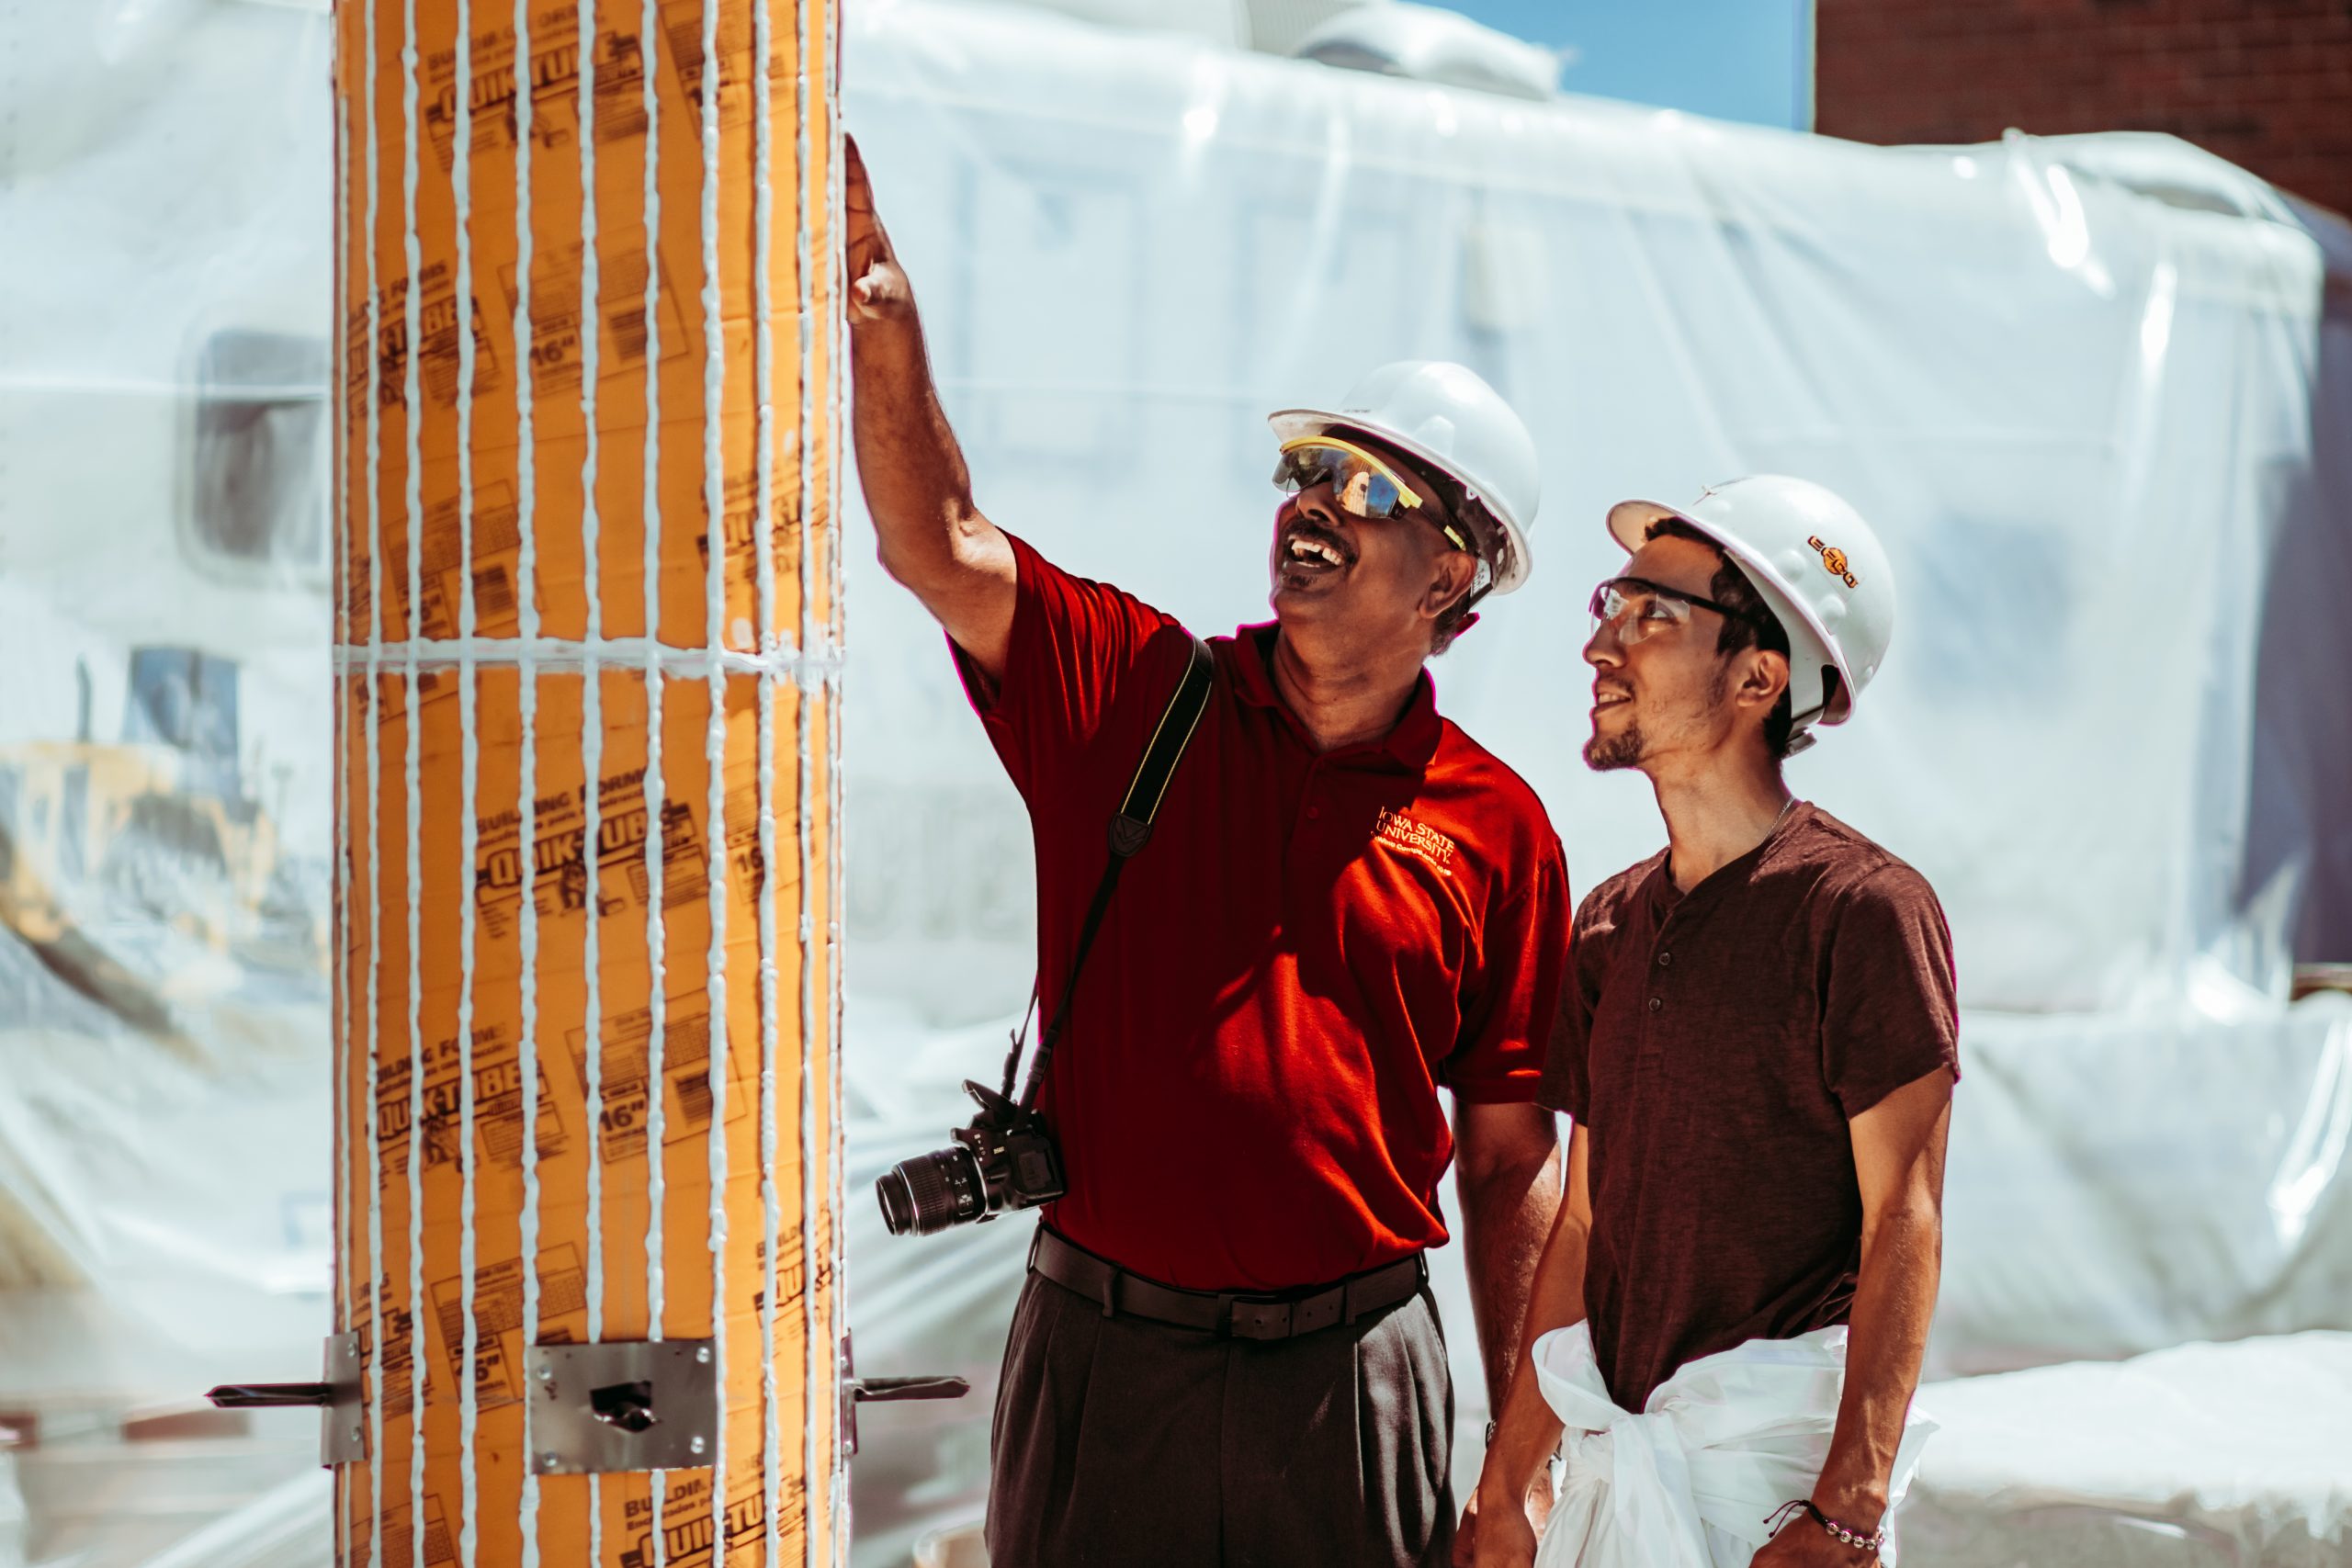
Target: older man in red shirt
x,y
1226,1351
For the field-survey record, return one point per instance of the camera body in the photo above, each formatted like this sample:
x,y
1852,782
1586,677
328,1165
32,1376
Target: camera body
x,y
1003,1160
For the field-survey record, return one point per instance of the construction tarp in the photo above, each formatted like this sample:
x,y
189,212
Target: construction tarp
x,y
2206,1456
2092,392
165,753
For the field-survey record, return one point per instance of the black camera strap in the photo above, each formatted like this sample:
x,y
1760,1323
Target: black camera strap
x,y
1130,829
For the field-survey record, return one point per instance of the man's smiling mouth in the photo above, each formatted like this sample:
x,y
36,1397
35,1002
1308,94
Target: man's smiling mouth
x,y
1307,548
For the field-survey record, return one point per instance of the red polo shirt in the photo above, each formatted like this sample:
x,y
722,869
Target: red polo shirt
x,y
1311,943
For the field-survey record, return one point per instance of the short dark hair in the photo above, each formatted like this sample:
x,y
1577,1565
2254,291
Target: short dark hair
x,y
1466,516
1751,624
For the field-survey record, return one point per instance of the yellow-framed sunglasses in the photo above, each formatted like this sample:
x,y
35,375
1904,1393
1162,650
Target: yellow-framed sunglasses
x,y
1364,481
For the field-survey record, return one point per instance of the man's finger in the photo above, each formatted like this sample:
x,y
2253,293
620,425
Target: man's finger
x,y
881,295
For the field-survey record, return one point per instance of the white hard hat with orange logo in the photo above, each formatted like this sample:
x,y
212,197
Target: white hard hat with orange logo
x,y
1818,566
1445,415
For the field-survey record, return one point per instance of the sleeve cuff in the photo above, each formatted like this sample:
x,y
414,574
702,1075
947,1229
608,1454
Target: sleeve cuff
x,y
1519,1088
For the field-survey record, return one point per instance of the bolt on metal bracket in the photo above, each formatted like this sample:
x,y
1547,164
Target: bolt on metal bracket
x,y
616,1405
343,1435
856,1391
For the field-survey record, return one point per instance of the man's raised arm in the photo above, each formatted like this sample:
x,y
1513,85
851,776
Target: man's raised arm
x,y
932,539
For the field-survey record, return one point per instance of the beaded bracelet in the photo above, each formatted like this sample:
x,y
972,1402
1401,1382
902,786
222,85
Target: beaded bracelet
x,y
1871,1543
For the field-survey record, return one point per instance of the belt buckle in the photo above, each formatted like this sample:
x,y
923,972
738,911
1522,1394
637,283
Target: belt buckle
x,y
1257,1318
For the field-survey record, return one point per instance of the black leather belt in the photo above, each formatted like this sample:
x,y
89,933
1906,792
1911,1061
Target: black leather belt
x,y
1225,1312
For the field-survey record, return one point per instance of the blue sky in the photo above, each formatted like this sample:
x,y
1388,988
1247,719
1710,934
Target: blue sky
x,y
1733,59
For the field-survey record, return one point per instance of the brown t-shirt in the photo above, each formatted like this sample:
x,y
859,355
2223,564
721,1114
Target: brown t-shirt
x,y
1715,1044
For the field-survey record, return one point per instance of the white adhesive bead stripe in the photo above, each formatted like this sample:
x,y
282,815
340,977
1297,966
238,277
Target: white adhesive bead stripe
x,y
377,1272
763,555
571,655
833,1462
413,404
650,655
591,711
527,700
469,773
346,1310
714,752
813,1347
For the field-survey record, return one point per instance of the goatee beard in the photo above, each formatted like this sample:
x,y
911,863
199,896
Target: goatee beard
x,y
1623,749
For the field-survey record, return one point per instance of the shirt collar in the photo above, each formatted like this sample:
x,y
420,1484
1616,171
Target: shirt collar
x,y
1735,873
1409,744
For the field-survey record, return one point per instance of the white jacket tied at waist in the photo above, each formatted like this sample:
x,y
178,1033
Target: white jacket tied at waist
x,y
1725,1443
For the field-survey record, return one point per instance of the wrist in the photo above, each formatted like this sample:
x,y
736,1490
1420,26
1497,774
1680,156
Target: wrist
x,y
1510,1472
1859,1506
1499,1498
1863,1543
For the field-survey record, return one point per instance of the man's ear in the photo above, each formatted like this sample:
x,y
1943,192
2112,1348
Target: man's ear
x,y
1456,572
1765,677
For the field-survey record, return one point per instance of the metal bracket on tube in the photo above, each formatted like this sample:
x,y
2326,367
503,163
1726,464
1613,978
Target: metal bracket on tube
x,y
856,1391
618,1406
342,1436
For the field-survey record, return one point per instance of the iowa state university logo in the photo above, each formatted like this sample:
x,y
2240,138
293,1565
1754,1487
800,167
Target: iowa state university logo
x,y
1401,833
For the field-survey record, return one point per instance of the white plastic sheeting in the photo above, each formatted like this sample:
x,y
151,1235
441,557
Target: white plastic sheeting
x,y
1429,43
164,821
2092,392
2118,1184
164,759
2204,1456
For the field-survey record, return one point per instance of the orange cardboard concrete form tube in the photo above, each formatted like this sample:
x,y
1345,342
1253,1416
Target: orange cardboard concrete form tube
x,y
587,677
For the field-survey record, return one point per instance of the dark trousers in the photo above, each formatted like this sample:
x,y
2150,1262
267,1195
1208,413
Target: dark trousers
x,y
1122,1441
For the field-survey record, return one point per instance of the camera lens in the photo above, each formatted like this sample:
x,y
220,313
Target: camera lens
x,y
932,1191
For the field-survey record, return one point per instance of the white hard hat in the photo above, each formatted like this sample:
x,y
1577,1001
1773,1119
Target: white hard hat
x,y
1444,415
1818,566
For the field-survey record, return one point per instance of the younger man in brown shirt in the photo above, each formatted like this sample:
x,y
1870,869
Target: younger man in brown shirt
x,y
1756,1041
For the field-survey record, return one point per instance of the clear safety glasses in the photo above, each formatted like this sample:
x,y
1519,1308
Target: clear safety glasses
x,y
1641,609
1366,485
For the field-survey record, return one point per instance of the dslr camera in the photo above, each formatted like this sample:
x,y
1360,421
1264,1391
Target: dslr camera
x,y
1003,1160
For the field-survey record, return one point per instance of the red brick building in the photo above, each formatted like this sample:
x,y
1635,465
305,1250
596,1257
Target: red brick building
x,y
2266,83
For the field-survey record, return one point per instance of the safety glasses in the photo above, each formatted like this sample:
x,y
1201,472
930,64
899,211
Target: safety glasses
x,y
1364,484
1641,609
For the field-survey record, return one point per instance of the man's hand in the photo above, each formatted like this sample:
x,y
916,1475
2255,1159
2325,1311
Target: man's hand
x,y
1506,1541
879,290
1521,1528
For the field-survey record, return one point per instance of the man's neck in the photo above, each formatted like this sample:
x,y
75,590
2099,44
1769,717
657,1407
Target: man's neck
x,y
1341,698
1715,815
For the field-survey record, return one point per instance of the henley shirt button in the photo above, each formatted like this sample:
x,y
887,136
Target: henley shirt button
x,y
1664,959
1657,1002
